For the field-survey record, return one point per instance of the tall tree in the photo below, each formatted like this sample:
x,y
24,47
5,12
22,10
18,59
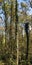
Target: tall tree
x,y
16,29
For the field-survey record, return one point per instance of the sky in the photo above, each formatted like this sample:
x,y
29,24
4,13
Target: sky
x,y
3,16
19,1
30,9
29,12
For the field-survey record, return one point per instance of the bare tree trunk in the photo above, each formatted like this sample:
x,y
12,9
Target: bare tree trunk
x,y
27,35
16,31
10,30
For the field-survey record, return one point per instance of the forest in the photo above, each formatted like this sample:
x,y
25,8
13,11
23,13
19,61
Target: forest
x,y
15,32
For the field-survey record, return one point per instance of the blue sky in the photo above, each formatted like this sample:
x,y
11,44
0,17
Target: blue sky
x,y
30,9
29,12
3,17
22,0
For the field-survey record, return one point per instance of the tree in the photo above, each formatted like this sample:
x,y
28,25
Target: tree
x,y
30,3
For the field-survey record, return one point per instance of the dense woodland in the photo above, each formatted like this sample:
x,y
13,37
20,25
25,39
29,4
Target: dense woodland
x,y
13,44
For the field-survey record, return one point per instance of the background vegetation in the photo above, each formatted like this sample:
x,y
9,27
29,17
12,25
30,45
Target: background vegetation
x,y
13,44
